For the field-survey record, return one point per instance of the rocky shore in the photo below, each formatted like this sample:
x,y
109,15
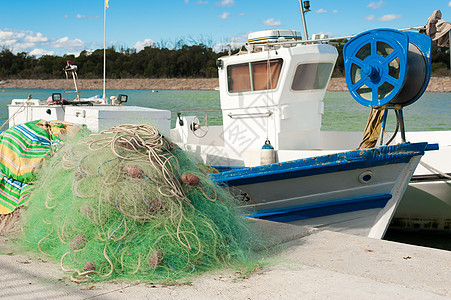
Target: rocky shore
x,y
117,84
437,84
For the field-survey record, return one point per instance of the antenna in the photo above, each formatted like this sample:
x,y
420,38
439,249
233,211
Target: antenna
x,y
305,7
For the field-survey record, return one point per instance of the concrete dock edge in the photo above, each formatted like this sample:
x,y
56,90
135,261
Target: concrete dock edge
x,y
311,264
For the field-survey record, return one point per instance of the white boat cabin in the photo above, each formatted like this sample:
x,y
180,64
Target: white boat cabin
x,y
273,90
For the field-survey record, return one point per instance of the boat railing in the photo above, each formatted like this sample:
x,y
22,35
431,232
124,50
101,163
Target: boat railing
x,y
291,43
26,102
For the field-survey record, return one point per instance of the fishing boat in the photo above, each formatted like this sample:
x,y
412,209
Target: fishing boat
x,y
274,92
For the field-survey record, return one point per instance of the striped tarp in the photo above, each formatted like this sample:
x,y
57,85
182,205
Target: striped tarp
x,y
13,193
22,150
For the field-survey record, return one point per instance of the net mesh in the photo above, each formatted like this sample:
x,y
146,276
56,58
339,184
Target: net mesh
x,y
129,203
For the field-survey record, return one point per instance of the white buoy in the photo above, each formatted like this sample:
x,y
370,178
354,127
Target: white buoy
x,y
267,154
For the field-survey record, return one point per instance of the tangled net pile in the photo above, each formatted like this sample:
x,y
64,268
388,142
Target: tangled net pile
x,y
128,203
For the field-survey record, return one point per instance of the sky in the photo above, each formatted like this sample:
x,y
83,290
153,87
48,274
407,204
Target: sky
x,y
57,27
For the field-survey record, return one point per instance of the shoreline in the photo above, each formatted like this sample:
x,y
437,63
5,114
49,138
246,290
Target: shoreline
x,y
436,84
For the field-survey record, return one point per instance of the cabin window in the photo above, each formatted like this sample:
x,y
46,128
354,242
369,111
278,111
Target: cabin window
x,y
265,75
239,78
312,76
254,76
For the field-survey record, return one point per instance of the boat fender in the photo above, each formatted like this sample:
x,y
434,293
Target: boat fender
x,y
267,154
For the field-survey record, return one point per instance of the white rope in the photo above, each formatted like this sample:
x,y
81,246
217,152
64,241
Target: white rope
x,y
431,168
270,95
26,103
268,82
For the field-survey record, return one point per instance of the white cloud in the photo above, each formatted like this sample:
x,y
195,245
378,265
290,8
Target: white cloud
x,y
384,18
321,11
239,39
140,45
224,15
226,3
376,5
62,40
335,11
4,35
40,52
9,44
226,46
36,38
234,42
37,44
74,53
22,47
449,4
66,43
272,22
21,41
387,18
79,16
199,2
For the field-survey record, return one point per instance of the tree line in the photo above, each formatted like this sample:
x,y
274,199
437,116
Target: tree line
x,y
184,61
151,62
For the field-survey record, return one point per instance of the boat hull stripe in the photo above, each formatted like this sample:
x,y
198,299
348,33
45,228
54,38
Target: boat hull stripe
x,y
324,208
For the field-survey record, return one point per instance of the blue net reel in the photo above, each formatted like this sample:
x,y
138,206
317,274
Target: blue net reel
x,y
387,67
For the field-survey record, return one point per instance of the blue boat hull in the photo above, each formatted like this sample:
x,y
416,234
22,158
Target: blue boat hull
x,y
354,192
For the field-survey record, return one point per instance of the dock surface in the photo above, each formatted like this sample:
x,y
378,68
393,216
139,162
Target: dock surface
x,y
311,264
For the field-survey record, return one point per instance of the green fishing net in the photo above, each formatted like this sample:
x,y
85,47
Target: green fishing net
x,y
128,203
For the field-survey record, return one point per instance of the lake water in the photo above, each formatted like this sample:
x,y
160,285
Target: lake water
x,y
342,112
431,112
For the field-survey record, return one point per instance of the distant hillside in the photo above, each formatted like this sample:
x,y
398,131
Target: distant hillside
x,y
194,61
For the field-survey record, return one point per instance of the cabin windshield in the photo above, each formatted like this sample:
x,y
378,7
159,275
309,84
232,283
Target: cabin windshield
x,y
254,76
311,76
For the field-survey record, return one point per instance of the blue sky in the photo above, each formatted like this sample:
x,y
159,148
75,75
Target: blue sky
x,y
69,26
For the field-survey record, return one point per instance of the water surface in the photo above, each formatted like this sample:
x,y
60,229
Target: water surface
x,y
342,112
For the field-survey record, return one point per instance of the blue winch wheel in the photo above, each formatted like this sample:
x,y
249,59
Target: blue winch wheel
x,y
387,66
